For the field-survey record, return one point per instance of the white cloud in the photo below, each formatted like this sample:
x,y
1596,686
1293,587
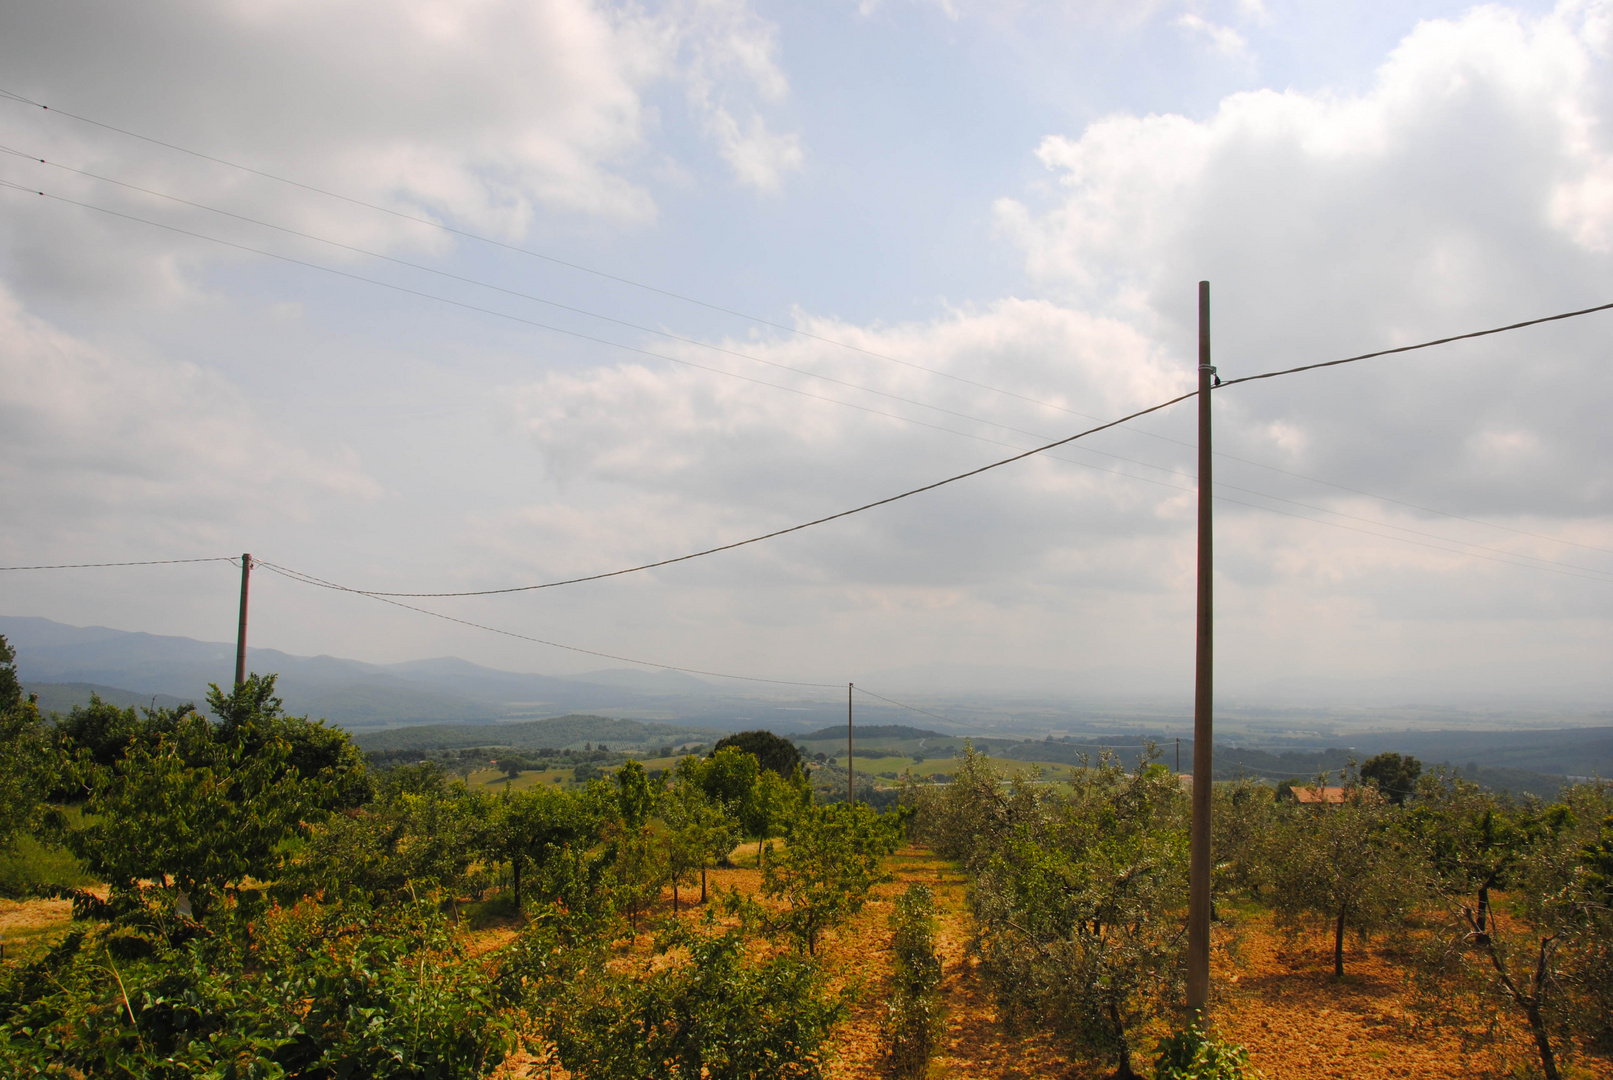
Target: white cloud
x,y
729,56
1431,203
1329,224
98,448
487,114
1221,39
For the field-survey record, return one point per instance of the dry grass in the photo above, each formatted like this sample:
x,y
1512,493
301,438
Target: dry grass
x,y
28,926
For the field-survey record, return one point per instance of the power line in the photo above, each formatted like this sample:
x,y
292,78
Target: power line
x,y
720,349
898,704
781,366
703,367
963,475
11,185
404,216
739,314
304,579
507,291
1420,345
140,562
777,532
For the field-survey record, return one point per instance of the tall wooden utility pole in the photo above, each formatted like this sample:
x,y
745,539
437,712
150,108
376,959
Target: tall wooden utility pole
x,y
851,762
1198,889
240,633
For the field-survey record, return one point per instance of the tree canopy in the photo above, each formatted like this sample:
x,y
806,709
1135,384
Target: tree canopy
x,y
772,752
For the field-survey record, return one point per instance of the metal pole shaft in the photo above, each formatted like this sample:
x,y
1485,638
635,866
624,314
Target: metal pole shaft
x,y
240,633
1198,903
851,762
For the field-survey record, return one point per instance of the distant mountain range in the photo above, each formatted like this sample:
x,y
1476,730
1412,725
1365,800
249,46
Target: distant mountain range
x,y
452,703
65,664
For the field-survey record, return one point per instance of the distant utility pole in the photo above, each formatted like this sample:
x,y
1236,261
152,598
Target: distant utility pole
x,y
240,633
1178,755
1198,888
851,762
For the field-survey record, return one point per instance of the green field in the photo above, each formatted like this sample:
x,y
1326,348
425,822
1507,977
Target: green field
x,y
495,779
890,763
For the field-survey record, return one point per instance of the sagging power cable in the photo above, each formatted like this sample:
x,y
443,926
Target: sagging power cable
x,y
294,576
963,475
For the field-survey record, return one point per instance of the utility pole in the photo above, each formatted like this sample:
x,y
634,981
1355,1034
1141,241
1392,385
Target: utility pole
x,y
851,762
1198,889
240,633
1178,755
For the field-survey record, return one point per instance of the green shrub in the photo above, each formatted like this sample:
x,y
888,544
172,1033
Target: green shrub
x,y
310,992
1194,1054
1078,905
704,1008
912,1023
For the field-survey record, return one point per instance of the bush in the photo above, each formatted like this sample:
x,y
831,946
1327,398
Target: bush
x,y
702,1009
912,1022
307,992
831,859
1195,1055
1078,903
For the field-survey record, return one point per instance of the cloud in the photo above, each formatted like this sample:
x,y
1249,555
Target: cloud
x,y
489,115
99,448
1329,224
1221,39
1461,190
729,61
722,452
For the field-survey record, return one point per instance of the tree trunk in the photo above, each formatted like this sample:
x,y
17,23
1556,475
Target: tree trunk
x,y
1123,1069
515,870
674,898
702,884
1338,947
1532,1002
1537,1027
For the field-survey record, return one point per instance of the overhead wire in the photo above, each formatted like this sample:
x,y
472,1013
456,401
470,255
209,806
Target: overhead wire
x,y
964,475
776,532
480,238
903,705
466,279
13,186
795,390
787,367
294,576
1545,564
136,562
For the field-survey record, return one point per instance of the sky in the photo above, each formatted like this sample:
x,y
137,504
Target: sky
x,y
432,297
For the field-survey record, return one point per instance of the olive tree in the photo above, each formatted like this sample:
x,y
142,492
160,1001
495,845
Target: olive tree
x,y
1080,907
1344,865
1545,953
831,859
699,833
